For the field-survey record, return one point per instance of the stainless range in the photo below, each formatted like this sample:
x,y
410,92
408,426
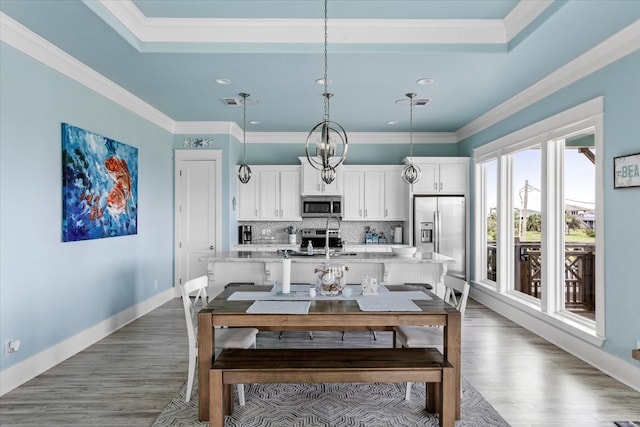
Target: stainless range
x,y
317,238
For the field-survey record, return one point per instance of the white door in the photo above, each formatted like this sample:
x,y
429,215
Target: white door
x,y
197,213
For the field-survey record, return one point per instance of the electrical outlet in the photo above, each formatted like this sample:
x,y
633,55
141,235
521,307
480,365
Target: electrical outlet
x,y
11,346
155,284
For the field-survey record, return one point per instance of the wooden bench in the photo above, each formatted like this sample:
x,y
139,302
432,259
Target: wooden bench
x,y
324,365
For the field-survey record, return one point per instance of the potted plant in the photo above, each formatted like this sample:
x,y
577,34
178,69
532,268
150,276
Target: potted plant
x,y
292,230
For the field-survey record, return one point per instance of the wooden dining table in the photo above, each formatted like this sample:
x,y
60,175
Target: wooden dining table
x,y
323,315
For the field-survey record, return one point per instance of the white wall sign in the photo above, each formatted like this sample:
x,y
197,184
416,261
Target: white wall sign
x,y
626,171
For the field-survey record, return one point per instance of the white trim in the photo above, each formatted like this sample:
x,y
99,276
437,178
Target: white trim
x,y
35,365
580,344
566,119
522,15
29,43
286,31
612,49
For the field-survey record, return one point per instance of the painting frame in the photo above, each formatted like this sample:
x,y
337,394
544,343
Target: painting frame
x,y
626,171
99,186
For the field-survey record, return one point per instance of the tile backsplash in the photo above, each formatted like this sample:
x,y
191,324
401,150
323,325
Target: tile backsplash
x,y
267,232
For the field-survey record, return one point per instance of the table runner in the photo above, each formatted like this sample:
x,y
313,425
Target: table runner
x,y
302,294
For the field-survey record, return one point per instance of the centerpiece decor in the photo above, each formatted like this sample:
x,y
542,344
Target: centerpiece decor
x,y
331,278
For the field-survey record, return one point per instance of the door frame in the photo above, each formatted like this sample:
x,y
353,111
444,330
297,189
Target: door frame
x,y
179,156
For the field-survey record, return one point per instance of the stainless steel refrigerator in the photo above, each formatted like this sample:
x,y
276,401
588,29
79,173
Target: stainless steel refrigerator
x,y
439,225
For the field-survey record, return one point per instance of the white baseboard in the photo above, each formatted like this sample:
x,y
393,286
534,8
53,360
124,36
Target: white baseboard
x,y
608,363
30,368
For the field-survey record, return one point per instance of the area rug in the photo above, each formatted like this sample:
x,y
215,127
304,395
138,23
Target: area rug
x,y
335,405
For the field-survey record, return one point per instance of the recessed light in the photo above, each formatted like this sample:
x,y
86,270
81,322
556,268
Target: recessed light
x,y
321,81
392,122
253,122
424,81
223,81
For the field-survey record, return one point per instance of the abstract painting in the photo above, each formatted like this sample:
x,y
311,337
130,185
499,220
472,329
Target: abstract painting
x,y
99,186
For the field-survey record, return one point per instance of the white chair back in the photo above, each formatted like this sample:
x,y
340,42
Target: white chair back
x,y
199,287
455,285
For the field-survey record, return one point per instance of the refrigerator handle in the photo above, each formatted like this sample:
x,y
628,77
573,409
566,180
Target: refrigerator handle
x,y
436,246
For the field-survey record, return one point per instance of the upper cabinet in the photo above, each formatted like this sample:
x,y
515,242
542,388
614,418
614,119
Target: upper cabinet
x,y
312,184
374,193
396,194
272,194
441,175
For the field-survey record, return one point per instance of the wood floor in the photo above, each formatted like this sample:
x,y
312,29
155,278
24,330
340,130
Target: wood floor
x,y
127,378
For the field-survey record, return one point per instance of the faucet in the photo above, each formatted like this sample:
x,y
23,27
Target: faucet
x,y
326,233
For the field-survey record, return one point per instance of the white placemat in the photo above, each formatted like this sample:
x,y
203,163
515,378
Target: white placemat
x,y
409,295
279,307
386,303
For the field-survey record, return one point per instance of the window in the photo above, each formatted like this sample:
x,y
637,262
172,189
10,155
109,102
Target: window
x,y
527,221
580,223
538,194
488,222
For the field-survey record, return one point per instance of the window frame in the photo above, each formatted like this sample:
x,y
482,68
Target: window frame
x,y
550,135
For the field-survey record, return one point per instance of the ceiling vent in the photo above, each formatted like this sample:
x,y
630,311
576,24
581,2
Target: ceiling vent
x,y
421,102
232,102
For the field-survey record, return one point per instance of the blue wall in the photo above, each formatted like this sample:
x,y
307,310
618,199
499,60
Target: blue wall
x,y
619,83
49,290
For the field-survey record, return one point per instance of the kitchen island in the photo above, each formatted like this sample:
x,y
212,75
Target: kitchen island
x,y
265,268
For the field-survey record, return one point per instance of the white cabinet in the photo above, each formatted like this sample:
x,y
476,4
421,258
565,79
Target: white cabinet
x,y
248,199
312,183
374,193
273,193
441,175
396,194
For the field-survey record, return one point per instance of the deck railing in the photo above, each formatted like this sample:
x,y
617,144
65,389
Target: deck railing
x,y
579,272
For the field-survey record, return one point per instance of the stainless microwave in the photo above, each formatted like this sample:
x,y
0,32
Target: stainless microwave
x,y
321,206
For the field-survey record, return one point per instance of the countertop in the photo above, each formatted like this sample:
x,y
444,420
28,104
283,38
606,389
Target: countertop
x,y
354,258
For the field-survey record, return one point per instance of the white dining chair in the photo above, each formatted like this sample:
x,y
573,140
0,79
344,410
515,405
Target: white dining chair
x,y
225,337
456,294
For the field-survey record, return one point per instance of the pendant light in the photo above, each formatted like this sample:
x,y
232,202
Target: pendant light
x,y
331,134
244,171
411,173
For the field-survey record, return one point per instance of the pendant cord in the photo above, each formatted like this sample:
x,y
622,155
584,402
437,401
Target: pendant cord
x,y
244,127
411,126
326,63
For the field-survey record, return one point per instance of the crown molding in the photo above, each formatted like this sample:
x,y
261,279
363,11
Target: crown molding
x,y
124,16
522,15
31,44
612,49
